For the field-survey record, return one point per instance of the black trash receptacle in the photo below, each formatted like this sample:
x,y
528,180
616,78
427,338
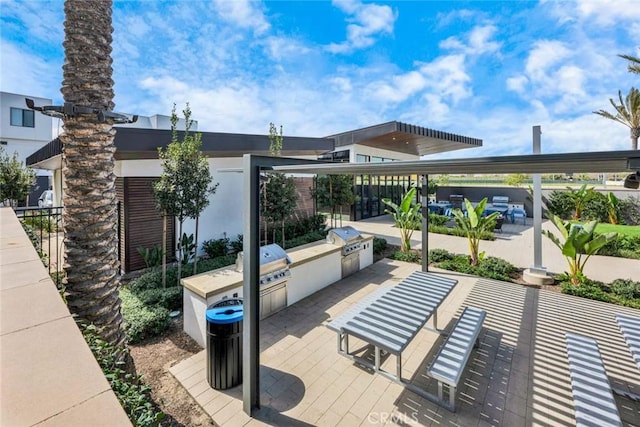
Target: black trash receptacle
x,y
224,346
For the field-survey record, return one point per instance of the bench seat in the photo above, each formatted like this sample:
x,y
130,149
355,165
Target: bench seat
x,y
454,354
593,400
630,328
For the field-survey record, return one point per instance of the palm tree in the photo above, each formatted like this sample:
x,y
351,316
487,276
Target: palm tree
x,y
634,66
627,113
406,216
474,223
578,244
580,197
90,213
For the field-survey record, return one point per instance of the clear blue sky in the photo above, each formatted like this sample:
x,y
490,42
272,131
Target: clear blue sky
x,y
489,70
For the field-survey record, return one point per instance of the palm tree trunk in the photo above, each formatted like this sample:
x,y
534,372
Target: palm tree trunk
x,y
635,134
90,215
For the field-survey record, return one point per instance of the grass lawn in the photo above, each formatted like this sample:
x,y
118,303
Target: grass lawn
x,y
623,230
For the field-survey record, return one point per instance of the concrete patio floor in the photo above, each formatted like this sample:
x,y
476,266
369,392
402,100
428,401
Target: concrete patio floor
x,y
518,376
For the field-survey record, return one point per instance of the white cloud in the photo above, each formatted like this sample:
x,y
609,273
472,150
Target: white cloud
x,y
544,55
478,41
48,14
608,12
517,83
446,76
243,13
367,22
399,88
25,73
285,47
455,16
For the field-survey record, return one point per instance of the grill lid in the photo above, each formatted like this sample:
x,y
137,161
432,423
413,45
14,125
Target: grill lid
x,y
343,235
272,257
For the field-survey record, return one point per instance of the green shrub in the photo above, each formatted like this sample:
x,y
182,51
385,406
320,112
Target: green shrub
x,y
216,247
410,256
152,279
455,231
304,239
491,267
626,288
623,247
169,298
237,245
152,257
590,290
459,263
379,245
35,241
629,210
131,391
596,208
297,227
40,221
142,321
435,219
496,268
439,255
561,204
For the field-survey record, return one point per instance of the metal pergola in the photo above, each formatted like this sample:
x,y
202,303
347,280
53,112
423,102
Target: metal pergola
x,y
594,162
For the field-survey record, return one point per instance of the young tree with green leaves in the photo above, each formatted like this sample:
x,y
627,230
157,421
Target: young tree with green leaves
x,y
280,190
275,140
185,183
334,192
15,179
578,243
407,217
626,113
474,225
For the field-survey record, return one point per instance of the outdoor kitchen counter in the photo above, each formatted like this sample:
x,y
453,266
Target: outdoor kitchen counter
x,y
226,278
314,266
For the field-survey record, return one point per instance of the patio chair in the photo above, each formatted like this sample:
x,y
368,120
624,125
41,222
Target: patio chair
x,y
499,222
518,213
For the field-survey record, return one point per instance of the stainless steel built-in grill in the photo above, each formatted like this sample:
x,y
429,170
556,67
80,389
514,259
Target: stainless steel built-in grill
x,y
274,270
348,237
351,241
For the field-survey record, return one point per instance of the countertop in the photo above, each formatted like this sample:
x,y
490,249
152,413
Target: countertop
x,y
226,278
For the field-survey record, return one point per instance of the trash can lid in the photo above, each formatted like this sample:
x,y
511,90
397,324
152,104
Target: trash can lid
x,y
224,315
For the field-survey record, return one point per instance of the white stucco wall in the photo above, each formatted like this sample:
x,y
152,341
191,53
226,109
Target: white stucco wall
x,y
224,213
19,139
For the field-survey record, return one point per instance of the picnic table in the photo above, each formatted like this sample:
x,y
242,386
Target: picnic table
x,y
391,317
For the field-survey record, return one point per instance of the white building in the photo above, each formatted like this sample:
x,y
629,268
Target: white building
x,y
25,131
137,167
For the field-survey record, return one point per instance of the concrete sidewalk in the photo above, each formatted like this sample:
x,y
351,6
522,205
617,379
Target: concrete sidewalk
x,y
514,244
